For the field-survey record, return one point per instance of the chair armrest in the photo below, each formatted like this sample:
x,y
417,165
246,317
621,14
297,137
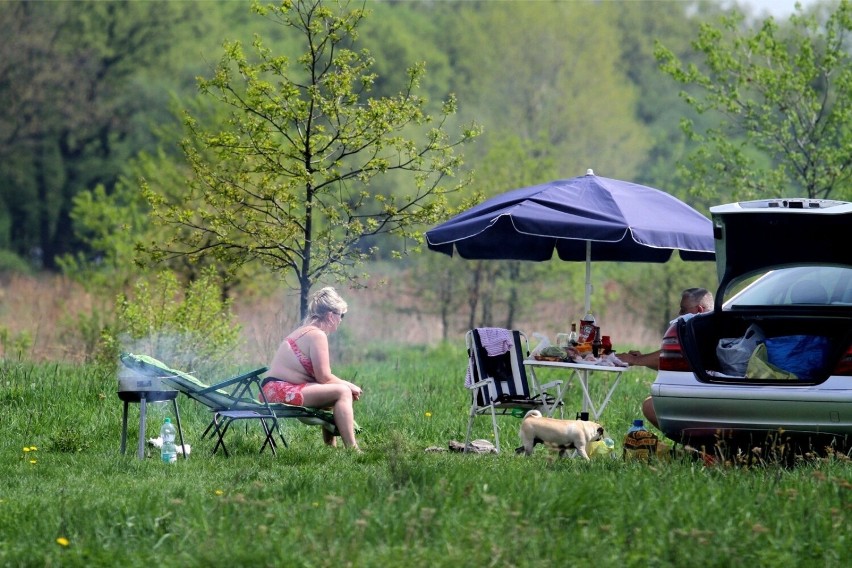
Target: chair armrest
x,y
480,384
242,378
550,385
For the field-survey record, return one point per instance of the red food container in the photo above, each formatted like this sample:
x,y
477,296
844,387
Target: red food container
x,y
587,331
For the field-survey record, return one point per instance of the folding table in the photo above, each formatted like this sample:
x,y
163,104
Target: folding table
x,y
582,371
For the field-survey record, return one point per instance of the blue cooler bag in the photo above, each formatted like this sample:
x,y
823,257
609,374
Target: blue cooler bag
x,y
803,355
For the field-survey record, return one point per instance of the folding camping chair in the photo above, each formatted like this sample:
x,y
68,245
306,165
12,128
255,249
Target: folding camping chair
x,y
238,398
498,379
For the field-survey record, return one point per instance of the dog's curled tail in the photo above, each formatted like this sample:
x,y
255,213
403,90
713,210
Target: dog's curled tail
x,y
532,414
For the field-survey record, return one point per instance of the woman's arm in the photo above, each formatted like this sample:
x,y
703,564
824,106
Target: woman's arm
x,y
322,363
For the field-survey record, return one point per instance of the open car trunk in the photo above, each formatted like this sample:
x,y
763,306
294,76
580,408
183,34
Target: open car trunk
x,y
699,337
757,236
785,266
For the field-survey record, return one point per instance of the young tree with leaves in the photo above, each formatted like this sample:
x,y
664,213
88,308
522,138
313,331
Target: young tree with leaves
x,y
293,185
784,95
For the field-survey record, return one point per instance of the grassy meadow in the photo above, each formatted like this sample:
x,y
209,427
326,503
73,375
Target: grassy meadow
x,y
69,498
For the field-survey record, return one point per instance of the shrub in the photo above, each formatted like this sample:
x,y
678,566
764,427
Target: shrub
x,y
11,262
192,327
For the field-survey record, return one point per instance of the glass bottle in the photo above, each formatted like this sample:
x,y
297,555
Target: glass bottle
x,y
597,351
572,336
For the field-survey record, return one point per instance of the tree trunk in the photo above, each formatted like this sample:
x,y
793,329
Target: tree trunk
x,y
473,294
45,248
514,299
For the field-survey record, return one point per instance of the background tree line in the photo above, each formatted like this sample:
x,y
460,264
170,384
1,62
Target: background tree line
x,y
94,94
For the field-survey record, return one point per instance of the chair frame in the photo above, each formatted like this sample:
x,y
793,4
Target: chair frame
x,y
497,396
245,401
243,393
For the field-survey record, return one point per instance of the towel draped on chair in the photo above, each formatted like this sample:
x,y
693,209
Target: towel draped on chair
x,y
496,341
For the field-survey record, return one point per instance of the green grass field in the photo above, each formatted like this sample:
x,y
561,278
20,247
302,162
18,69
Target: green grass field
x,y
73,500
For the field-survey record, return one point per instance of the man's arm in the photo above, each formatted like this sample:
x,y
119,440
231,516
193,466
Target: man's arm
x,y
650,360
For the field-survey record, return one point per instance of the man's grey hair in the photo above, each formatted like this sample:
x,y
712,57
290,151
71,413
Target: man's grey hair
x,y
700,297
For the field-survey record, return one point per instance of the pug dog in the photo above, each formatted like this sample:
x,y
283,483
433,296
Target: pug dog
x,y
562,434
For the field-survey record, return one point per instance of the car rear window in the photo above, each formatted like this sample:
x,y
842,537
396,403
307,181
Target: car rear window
x,y
803,285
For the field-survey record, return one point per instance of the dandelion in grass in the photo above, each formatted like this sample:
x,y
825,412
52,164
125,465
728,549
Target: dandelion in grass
x,y
62,541
428,414
219,492
33,461
27,450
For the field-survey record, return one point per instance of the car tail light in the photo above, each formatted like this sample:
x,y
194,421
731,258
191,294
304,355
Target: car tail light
x,y
844,366
671,354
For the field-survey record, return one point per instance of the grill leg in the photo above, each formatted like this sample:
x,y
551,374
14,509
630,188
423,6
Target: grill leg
x,y
124,429
140,451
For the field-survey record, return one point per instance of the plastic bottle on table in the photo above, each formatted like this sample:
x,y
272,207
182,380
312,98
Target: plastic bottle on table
x,y
168,451
587,328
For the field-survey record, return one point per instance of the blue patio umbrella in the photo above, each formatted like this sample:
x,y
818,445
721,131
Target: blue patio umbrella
x,y
587,218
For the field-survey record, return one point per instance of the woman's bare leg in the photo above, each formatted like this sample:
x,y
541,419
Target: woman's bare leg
x,y
340,397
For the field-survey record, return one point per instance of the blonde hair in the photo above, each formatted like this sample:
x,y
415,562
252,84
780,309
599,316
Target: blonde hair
x,y
325,301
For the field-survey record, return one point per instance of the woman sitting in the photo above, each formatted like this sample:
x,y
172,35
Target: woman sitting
x,y
300,372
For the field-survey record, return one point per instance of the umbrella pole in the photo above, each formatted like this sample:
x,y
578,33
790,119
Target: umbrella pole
x,y
588,305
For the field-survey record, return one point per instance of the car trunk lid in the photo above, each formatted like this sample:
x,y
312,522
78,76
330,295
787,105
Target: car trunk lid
x,y
820,237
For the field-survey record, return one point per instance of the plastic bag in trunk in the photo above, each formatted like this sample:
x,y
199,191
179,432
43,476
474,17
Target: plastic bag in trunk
x,y
733,353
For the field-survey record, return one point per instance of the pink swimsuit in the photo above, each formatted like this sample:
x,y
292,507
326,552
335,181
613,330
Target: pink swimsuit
x,y
306,362
279,390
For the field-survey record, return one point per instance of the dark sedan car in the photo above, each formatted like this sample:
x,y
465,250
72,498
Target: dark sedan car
x,y
785,268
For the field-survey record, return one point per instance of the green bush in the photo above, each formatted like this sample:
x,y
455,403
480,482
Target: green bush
x,y
191,328
15,346
11,262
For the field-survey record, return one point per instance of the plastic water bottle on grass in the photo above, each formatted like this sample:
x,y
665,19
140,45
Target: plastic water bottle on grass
x,y
639,444
168,452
